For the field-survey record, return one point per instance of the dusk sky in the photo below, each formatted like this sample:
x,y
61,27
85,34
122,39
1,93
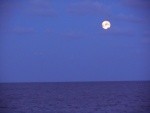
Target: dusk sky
x,y
63,40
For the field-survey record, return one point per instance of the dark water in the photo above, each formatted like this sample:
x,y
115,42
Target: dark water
x,y
79,97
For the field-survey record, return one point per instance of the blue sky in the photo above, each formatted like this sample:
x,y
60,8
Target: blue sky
x,y
62,40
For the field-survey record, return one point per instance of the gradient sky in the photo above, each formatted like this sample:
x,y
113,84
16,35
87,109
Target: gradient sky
x,y
62,40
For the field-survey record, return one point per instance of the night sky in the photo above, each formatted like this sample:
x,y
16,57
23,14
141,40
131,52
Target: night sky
x,y
63,40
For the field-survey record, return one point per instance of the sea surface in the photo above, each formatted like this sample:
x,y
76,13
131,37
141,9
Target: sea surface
x,y
75,97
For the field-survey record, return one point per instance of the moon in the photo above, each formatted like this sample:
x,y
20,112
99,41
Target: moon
x,y
106,24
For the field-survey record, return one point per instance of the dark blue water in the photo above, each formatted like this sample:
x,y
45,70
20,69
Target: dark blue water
x,y
75,97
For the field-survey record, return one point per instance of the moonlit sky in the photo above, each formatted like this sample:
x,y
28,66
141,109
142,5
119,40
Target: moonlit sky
x,y
63,40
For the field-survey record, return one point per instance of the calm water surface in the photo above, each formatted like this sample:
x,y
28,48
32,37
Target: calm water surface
x,y
75,97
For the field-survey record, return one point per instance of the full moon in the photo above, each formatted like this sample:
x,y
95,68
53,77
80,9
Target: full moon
x,y
106,24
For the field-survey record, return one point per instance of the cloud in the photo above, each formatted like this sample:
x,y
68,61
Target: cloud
x,y
137,4
146,37
73,34
24,30
88,8
41,8
34,7
141,7
7,7
146,34
117,32
48,30
130,18
146,41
